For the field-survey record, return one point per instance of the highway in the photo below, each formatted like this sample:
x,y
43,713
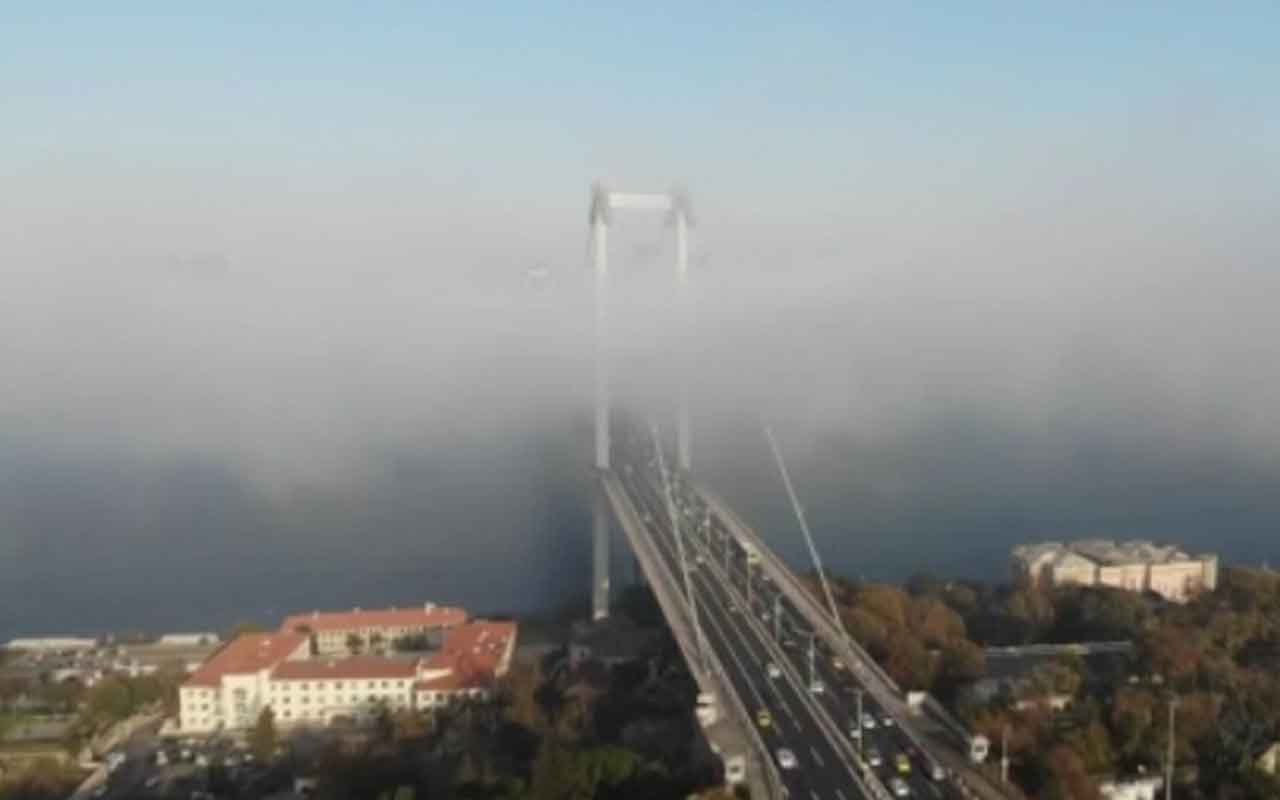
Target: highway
x,y
751,625
824,768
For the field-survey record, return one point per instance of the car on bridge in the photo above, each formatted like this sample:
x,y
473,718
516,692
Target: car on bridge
x,y
873,757
817,687
763,718
868,722
771,669
899,787
902,764
786,758
886,721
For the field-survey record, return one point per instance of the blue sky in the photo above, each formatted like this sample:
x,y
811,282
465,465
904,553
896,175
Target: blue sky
x,y
611,88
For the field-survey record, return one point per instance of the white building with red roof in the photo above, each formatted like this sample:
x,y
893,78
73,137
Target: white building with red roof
x,y
230,688
279,670
331,630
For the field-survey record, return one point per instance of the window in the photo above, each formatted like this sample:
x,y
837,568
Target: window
x,y
337,684
384,684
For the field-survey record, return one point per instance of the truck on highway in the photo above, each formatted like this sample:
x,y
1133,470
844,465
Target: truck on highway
x,y
706,710
735,769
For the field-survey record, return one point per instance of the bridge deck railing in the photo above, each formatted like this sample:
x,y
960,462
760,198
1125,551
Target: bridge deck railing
x,y
677,614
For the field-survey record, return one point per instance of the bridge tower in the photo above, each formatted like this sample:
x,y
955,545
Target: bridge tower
x,y
675,205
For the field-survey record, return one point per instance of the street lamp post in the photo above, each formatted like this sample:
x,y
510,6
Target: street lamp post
x,y
1004,754
858,722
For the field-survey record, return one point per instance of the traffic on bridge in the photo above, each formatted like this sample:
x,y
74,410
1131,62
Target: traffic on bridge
x,y
828,736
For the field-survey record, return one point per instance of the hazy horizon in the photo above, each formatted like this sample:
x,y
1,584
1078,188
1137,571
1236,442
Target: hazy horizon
x,y
296,313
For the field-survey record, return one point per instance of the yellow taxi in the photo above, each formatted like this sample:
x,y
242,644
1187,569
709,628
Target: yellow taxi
x,y
763,718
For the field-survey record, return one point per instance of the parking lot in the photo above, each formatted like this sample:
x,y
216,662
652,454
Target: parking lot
x,y
191,769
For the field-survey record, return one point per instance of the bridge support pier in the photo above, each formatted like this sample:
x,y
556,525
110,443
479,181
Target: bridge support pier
x,y
599,552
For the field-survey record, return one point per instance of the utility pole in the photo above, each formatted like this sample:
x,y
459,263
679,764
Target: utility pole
x,y
1004,754
1168,766
812,637
748,587
777,616
858,722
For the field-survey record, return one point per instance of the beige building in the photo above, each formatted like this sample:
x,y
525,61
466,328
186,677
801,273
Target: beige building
x,y
331,631
1136,566
279,671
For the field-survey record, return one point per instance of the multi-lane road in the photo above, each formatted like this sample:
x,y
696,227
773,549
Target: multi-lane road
x,y
822,768
773,659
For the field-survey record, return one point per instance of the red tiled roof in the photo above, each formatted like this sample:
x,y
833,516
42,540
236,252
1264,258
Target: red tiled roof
x,y
473,653
480,643
248,652
355,667
428,616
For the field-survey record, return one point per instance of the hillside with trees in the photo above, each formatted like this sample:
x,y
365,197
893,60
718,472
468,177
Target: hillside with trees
x,y
1217,658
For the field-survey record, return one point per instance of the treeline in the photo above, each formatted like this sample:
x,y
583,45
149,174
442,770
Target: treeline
x,y
1215,659
920,640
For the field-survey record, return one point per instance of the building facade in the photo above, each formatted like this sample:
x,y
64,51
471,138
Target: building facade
x,y
281,671
1136,566
333,632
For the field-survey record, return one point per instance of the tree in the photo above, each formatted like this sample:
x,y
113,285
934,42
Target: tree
x,y
886,602
932,621
1068,779
375,641
1093,745
554,776
910,664
962,662
263,739
868,630
409,725
110,700
354,643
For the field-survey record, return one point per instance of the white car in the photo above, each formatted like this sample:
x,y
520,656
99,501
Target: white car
x,y
817,687
899,787
771,669
886,721
873,757
868,722
786,759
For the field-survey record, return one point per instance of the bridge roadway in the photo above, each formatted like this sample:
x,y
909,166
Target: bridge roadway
x,y
963,781
825,767
752,606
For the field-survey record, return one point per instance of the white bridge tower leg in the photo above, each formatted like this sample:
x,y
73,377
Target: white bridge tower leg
x,y
675,204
